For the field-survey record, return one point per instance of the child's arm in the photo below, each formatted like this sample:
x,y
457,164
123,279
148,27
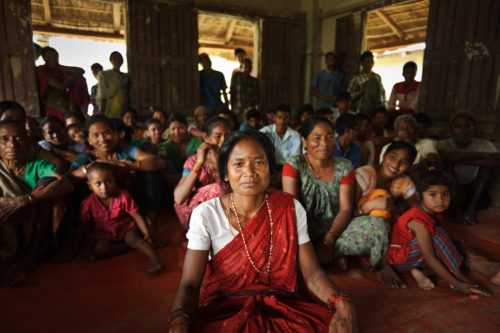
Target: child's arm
x,y
425,243
139,220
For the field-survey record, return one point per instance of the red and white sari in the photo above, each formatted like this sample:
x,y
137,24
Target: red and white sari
x,y
235,298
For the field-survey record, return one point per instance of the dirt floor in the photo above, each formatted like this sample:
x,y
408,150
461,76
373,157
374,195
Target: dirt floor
x,y
116,295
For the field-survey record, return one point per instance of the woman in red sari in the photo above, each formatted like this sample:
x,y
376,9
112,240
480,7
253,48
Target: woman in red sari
x,y
256,239
63,90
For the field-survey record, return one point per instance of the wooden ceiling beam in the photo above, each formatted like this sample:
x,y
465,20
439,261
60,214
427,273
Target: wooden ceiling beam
x,y
51,30
406,31
224,47
46,11
230,30
379,47
117,16
390,23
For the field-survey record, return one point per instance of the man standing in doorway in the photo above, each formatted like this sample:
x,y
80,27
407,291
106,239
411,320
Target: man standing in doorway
x,y
240,55
327,83
366,89
244,91
212,85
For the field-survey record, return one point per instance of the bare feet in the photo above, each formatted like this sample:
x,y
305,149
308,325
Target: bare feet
x,y
422,280
389,277
483,266
155,267
496,278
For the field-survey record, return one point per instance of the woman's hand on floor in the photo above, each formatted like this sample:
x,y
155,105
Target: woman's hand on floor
x,y
344,319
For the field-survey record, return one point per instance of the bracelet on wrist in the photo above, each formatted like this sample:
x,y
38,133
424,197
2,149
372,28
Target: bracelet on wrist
x,y
180,321
335,298
30,199
179,315
197,167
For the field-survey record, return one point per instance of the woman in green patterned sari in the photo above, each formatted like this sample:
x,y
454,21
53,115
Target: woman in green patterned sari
x,y
180,144
325,186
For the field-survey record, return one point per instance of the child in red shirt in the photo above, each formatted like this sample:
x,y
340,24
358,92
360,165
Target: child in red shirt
x,y
114,219
419,244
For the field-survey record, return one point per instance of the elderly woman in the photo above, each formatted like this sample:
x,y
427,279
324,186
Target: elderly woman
x,y
180,144
201,115
255,241
21,235
325,186
200,177
406,129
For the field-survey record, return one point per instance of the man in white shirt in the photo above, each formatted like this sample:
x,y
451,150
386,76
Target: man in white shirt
x,y
286,140
472,160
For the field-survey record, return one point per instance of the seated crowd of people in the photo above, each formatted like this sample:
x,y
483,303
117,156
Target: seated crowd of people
x,y
304,189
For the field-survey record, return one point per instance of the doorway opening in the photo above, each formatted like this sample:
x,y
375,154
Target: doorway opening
x,y
396,34
83,33
219,35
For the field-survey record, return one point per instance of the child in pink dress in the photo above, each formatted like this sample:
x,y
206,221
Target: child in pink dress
x,y
114,219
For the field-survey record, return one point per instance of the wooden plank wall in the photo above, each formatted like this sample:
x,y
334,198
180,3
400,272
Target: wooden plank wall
x,y
17,65
348,41
282,63
462,59
163,48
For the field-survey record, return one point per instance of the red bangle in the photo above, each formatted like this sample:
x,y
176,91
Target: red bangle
x,y
335,298
182,313
181,321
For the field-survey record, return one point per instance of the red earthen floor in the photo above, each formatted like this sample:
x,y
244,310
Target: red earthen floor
x,y
116,295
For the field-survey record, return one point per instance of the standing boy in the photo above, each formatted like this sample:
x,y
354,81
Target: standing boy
x,y
327,83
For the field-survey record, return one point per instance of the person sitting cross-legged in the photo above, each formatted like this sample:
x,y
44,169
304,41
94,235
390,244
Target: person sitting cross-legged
x,y
248,248
471,160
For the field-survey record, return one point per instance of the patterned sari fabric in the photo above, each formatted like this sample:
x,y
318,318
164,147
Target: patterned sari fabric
x,y
60,103
235,298
405,252
17,231
365,235
207,187
10,187
169,151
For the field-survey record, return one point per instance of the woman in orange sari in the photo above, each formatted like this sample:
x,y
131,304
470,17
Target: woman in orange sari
x,y
251,242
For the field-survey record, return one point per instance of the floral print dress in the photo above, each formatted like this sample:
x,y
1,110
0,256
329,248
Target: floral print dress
x,y
365,235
